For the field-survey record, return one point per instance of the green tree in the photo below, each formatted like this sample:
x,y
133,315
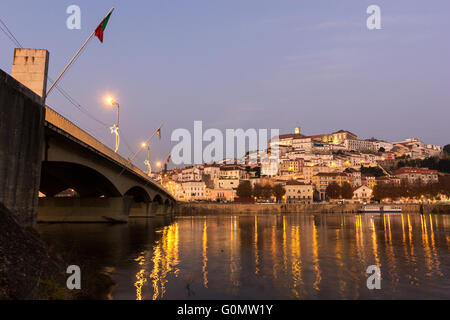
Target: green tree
x,y
382,149
346,191
333,190
244,190
278,191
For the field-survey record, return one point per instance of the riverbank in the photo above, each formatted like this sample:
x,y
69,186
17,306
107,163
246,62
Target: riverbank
x,y
29,269
184,209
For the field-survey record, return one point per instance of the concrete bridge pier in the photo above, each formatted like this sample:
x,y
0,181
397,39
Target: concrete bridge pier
x,y
22,116
141,210
67,209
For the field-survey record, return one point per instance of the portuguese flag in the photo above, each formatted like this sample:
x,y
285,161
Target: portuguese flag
x,y
102,26
159,133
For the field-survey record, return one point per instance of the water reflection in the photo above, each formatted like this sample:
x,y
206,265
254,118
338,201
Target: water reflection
x,y
296,256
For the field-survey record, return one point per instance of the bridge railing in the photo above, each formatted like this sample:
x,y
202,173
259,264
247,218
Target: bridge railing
x,y
62,123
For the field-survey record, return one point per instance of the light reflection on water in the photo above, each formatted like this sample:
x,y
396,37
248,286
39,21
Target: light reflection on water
x,y
298,256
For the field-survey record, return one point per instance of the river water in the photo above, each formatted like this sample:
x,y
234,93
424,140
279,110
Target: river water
x,y
292,256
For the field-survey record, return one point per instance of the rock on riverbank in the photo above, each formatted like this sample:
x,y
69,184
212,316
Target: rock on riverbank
x,y
28,268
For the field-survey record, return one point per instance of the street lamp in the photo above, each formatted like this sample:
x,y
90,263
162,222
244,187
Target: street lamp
x,y
115,128
158,164
147,161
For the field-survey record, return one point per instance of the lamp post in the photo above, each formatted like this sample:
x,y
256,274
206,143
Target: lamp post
x,y
158,164
147,161
115,128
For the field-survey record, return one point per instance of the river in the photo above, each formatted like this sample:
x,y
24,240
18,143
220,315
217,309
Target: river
x,y
292,256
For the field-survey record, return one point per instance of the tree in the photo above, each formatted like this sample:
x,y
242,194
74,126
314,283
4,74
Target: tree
x,y
447,149
244,190
206,178
257,190
382,149
333,190
372,171
378,192
278,191
346,191
266,191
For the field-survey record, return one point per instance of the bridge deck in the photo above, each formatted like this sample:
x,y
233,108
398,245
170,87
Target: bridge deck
x,y
59,122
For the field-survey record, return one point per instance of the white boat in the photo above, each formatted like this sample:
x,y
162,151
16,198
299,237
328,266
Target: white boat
x,y
370,209
391,209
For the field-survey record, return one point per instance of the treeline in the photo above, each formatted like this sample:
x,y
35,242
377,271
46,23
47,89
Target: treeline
x,y
372,171
416,190
260,191
336,191
433,163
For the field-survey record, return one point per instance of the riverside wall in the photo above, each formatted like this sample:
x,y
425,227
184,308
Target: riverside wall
x,y
187,208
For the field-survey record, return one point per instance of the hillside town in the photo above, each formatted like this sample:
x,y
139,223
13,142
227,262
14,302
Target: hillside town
x,y
326,167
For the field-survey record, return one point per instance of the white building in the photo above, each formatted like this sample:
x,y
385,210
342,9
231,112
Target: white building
x,y
233,171
190,174
298,192
416,175
302,144
362,193
359,145
269,167
192,191
226,183
213,170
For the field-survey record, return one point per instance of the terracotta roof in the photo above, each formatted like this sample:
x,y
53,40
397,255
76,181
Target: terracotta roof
x,y
415,170
295,183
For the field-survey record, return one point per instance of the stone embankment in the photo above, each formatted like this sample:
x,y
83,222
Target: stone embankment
x,y
204,208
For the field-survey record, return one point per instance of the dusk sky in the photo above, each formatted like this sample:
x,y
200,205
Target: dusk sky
x,y
246,64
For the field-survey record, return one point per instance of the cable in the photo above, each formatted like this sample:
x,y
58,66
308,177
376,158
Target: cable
x,y
63,92
12,37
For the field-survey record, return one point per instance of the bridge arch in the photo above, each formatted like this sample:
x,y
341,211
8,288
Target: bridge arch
x,y
158,199
139,194
157,205
57,176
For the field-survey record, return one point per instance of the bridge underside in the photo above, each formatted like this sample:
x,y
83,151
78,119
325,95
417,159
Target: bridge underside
x,y
79,184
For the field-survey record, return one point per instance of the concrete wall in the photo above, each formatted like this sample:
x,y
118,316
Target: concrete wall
x,y
234,208
84,209
21,134
30,68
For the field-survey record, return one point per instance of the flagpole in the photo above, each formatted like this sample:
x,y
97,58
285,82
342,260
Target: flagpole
x,y
146,142
74,57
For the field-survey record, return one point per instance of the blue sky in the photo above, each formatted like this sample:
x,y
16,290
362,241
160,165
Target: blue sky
x,y
247,64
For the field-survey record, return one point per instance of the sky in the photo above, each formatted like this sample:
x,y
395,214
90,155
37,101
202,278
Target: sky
x,y
246,64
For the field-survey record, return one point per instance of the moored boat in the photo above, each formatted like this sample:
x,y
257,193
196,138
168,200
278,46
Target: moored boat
x,y
391,209
370,209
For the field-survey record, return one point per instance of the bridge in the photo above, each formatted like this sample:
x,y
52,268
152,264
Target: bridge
x,y
41,152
